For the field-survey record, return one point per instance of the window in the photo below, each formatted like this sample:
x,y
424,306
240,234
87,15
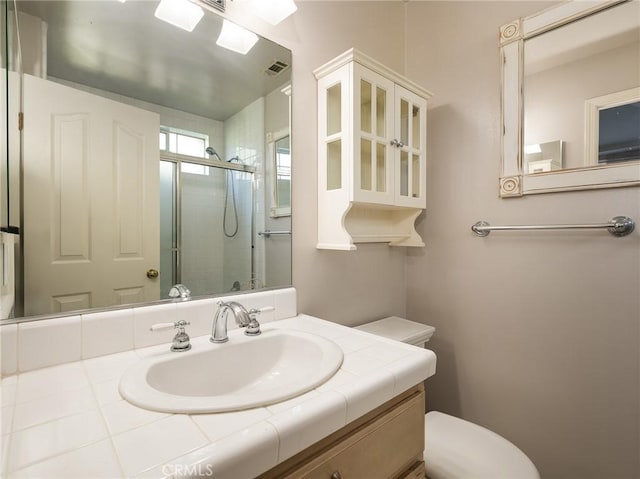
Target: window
x,y
183,142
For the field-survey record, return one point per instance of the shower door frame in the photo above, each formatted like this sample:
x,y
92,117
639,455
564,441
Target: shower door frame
x,y
176,248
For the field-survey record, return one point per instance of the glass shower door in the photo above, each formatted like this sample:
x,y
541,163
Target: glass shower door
x,y
214,228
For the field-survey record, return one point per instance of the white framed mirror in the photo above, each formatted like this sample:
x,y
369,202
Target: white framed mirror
x,y
571,78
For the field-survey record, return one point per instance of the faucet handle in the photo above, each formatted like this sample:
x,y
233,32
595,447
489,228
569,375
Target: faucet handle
x,y
253,328
181,340
163,326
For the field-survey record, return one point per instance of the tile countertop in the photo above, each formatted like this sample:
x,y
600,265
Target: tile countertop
x,y
70,421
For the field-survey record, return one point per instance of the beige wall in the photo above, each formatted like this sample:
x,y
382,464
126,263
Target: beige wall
x,y
537,333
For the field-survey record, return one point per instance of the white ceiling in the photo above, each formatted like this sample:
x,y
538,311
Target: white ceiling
x,y
123,48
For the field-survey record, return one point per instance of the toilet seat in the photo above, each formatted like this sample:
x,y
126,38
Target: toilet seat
x,y
455,448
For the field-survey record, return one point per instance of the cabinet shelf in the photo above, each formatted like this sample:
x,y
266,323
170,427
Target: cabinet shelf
x,y
371,154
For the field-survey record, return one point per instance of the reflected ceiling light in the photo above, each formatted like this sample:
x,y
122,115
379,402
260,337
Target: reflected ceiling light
x,y
273,11
180,13
236,38
529,149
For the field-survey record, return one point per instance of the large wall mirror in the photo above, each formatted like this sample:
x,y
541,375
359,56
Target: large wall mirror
x,y
571,98
144,155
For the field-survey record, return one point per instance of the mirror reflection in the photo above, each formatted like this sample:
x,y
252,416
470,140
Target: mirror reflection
x,y
144,156
282,180
582,87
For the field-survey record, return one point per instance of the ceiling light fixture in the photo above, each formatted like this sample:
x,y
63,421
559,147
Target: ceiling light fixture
x,y
273,11
234,37
180,13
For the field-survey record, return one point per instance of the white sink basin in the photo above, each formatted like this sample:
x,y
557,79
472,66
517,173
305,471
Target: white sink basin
x,y
246,372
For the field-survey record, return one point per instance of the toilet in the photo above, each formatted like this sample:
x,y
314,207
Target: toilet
x,y
455,448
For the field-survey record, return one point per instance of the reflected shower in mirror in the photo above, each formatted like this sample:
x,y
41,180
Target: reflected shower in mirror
x,y
144,156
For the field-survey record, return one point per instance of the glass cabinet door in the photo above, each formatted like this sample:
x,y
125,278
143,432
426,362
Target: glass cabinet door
x,y
373,155
410,143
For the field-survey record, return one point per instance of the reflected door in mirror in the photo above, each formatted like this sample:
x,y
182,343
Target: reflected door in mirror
x,y
91,222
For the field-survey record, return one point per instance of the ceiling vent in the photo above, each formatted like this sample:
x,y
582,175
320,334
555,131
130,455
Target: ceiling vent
x,y
276,68
217,4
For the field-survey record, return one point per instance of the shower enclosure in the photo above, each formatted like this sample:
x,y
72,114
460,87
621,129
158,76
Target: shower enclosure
x,y
206,226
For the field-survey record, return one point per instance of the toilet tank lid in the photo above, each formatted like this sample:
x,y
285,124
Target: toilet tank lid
x,y
399,329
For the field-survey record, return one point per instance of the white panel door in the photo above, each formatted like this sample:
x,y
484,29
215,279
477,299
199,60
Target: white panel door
x,y
91,200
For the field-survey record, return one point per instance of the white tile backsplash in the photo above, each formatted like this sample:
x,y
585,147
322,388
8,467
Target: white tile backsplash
x,y
285,303
9,338
107,333
49,342
92,335
145,317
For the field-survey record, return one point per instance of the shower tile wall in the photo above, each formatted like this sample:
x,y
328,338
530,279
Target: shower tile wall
x,y
244,137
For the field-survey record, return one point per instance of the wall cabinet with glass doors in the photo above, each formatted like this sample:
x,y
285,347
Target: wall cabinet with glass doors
x,y
371,154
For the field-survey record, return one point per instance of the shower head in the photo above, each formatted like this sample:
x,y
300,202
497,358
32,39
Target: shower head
x,y
211,152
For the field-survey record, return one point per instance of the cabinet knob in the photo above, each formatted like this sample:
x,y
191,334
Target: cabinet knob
x,y
397,143
336,475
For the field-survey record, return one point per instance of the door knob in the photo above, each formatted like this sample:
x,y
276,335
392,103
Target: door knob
x,y
152,273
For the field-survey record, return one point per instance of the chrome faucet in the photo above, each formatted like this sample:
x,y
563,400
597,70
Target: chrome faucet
x,y
180,291
244,319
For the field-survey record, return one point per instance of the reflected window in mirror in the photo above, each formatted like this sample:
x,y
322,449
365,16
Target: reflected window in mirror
x,y
619,138
281,177
182,142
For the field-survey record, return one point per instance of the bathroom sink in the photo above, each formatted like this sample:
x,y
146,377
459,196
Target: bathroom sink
x,y
243,373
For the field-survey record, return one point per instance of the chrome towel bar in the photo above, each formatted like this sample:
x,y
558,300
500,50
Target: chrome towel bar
x,y
268,233
617,226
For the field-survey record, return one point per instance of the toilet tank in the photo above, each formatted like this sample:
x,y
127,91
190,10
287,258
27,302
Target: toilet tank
x,y
400,329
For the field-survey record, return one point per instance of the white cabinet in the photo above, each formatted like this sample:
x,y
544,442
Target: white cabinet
x,y
371,154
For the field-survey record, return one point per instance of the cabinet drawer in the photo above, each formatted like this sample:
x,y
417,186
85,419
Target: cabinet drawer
x,y
387,447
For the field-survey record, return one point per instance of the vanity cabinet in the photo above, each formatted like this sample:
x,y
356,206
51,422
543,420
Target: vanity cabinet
x,y
371,154
387,442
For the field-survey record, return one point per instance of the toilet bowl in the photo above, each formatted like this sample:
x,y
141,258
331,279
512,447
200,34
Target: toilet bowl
x,y
455,448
